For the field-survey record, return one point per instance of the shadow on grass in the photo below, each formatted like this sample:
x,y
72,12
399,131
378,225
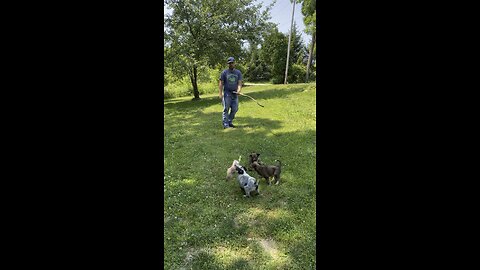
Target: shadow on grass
x,y
198,123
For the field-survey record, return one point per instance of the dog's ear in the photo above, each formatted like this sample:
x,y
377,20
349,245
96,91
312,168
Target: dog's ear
x,y
239,169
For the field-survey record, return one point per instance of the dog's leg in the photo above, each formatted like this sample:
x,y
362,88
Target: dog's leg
x,y
277,176
247,193
229,173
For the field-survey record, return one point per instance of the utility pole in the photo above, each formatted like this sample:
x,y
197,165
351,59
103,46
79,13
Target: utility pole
x,y
289,39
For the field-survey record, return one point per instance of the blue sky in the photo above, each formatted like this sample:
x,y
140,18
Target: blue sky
x,y
281,14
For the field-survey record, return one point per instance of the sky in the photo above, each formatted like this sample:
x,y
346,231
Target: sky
x,y
281,14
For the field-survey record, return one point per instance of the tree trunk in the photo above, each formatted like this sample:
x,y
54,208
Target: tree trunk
x,y
193,79
310,55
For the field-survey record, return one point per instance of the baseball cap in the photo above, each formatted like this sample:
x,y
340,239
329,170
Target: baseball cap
x,y
230,59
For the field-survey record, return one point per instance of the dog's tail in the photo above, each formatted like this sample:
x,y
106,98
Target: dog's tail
x,y
279,163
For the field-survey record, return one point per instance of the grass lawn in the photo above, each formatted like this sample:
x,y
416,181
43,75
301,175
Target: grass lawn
x,y
208,224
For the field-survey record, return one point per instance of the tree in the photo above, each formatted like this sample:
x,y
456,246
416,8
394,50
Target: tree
x,y
296,50
310,19
256,68
205,32
274,54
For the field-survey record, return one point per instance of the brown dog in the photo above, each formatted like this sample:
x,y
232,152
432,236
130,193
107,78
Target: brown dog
x,y
252,158
268,171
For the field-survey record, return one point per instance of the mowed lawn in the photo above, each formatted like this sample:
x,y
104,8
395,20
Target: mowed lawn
x,y
208,224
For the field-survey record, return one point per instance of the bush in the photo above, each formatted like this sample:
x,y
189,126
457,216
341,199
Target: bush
x,y
297,73
277,80
258,72
178,88
207,82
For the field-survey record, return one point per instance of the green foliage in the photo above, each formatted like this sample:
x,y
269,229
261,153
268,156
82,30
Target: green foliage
x,y
272,57
184,88
296,74
310,15
256,69
277,79
179,88
206,32
257,72
274,54
207,83
313,75
297,48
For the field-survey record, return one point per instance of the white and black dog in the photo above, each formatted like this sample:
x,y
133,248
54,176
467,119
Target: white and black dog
x,y
247,183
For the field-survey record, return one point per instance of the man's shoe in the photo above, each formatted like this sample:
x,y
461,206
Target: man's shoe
x,y
231,125
224,127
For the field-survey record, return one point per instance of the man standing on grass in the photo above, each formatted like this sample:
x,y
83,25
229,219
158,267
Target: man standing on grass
x,y
229,87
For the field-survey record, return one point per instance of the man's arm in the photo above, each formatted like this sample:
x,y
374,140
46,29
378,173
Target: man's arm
x,y
240,82
239,88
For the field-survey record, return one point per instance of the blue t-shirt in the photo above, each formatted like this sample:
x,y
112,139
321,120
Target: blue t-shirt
x,y
230,80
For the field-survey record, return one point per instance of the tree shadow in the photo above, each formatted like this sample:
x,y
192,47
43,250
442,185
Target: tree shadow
x,y
173,100
192,104
211,123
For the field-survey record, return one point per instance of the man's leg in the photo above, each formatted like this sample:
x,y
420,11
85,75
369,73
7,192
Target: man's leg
x,y
226,105
233,111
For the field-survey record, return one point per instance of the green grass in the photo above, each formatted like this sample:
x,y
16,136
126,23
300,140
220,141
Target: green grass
x,y
208,224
